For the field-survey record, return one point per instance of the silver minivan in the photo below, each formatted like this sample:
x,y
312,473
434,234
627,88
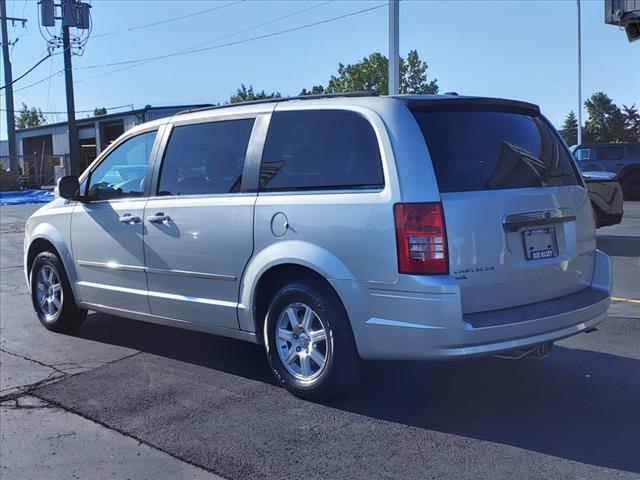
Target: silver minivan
x,y
331,230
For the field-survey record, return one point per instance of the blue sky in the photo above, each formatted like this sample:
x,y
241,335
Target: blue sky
x,y
521,49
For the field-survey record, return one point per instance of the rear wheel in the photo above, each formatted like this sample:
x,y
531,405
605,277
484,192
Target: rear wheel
x,y
52,296
309,343
631,185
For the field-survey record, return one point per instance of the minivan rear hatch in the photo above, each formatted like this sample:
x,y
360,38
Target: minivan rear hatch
x,y
518,220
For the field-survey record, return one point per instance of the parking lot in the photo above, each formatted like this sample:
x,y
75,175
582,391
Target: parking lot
x,y
120,398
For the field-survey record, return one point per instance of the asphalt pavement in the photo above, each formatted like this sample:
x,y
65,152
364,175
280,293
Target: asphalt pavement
x,y
120,398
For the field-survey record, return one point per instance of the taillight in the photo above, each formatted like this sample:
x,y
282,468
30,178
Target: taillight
x,y
421,238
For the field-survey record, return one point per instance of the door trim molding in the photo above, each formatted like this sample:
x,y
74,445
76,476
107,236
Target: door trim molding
x,y
188,273
160,271
110,265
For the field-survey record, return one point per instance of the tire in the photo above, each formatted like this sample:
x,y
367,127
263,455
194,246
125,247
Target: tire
x,y
51,295
296,354
631,185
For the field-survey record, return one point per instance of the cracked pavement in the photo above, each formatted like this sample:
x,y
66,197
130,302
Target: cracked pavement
x,y
125,399
39,439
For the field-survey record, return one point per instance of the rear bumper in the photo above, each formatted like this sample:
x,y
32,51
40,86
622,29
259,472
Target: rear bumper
x,y
406,325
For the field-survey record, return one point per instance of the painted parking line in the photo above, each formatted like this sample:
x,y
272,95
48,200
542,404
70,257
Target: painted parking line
x,y
628,300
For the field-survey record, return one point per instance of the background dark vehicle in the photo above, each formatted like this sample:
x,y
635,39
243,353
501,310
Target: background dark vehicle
x,y
623,159
605,194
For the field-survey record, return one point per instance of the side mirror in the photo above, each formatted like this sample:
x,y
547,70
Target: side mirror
x,y
69,187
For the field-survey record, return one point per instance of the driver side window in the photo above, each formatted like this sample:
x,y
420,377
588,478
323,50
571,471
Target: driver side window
x,y
123,172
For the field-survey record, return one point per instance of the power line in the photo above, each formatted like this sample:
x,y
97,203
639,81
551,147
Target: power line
x,y
168,20
39,81
25,73
254,27
129,105
237,42
140,61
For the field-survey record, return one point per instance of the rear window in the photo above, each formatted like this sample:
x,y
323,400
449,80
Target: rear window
x,y
477,149
319,150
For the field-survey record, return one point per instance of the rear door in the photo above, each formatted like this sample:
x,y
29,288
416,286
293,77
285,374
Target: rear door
x,y
199,224
517,215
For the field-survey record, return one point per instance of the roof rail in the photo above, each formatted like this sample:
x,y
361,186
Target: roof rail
x,y
364,93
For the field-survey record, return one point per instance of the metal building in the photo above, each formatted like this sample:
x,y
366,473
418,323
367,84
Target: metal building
x,y
43,151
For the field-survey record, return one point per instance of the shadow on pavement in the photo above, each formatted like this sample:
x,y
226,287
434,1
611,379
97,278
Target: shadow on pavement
x,y
578,405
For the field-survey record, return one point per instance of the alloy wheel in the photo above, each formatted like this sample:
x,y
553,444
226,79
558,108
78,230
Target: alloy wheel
x,y
49,294
303,342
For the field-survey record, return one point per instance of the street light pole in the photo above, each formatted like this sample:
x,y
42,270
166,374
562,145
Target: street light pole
x,y
394,48
579,78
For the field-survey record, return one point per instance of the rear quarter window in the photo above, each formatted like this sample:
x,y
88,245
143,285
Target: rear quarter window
x,y
319,150
480,149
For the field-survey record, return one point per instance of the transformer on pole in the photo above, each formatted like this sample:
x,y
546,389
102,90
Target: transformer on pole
x,y
72,14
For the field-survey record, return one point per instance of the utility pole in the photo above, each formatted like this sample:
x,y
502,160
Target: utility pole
x,y
8,79
74,142
73,14
394,48
579,78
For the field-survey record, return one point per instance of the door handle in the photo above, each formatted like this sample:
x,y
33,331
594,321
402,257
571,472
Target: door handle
x,y
159,218
128,218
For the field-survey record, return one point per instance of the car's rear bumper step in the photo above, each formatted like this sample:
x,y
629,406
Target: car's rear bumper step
x,y
525,313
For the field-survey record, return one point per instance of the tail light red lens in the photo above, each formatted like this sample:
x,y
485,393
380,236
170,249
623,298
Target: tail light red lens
x,y
421,238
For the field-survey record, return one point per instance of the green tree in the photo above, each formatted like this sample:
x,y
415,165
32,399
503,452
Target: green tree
x,y
413,76
606,122
99,111
244,94
315,90
631,123
371,73
29,117
569,130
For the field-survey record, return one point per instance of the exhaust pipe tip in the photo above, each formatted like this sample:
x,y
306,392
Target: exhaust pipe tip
x,y
539,351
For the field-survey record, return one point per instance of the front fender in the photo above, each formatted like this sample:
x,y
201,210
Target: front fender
x,y
47,231
294,252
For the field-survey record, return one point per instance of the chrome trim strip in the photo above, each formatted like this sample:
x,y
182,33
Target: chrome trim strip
x,y
112,288
160,271
539,217
170,296
187,273
396,323
110,265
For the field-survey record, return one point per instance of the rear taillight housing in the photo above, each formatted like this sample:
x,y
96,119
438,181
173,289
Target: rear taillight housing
x,y
421,238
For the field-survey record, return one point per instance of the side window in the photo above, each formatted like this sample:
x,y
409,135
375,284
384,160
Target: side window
x,y
123,172
205,158
583,154
320,149
610,153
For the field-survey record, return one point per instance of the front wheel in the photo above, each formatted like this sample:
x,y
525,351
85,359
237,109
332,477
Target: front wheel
x,y
52,296
309,342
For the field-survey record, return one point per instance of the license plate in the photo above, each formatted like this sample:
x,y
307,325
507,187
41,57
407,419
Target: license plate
x,y
540,243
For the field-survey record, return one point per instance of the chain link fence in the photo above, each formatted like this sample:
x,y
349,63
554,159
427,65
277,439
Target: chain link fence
x,y
33,171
